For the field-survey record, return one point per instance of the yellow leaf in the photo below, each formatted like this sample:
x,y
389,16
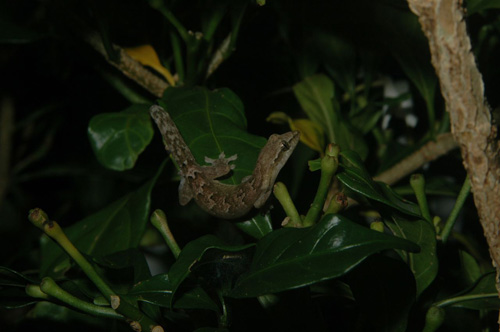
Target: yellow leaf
x,y
278,118
311,134
146,55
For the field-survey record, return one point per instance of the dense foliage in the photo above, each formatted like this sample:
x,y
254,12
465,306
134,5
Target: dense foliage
x,y
76,140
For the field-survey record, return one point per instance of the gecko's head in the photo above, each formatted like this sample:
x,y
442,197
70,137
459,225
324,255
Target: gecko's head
x,y
275,154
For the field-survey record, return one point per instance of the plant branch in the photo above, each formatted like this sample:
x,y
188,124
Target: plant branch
x,y
443,22
130,68
430,151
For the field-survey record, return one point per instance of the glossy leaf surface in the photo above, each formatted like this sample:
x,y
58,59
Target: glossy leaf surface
x,y
192,253
118,138
423,264
158,290
356,178
117,227
291,258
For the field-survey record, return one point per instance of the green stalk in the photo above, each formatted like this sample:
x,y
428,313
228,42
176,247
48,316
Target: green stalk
x,y
159,221
213,23
459,203
417,182
281,193
329,164
40,219
178,60
49,287
431,113
463,298
159,5
337,204
36,292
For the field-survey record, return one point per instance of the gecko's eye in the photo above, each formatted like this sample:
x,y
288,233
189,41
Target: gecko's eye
x,y
285,146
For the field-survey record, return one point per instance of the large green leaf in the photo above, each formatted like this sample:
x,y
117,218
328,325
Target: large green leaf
x,y
424,264
212,122
193,253
356,178
291,258
384,289
316,97
158,290
118,138
117,227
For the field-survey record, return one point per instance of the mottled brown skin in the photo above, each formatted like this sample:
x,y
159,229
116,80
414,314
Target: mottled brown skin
x,y
199,182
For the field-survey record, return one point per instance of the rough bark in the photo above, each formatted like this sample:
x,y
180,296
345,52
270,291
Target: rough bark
x,y
462,87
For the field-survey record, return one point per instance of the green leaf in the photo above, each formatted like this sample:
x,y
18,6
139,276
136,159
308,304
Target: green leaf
x,y
482,295
256,227
315,94
384,289
212,122
158,290
470,268
474,6
424,264
117,227
118,138
316,97
192,253
339,57
356,178
290,258
130,262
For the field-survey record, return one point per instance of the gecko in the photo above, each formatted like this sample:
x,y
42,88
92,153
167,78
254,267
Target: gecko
x,y
200,182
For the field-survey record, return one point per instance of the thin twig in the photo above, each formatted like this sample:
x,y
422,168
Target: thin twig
x,y
430,151
131,68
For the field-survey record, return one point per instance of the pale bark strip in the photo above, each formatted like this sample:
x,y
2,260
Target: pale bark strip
x,y
462,87
432,150
131,68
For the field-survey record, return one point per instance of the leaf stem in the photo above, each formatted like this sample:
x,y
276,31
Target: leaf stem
x,y
464,298
159,221
281,193
49,287
417,182
459,203
329,164
138,320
